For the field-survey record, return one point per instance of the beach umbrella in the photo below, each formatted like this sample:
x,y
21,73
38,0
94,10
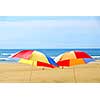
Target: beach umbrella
x,y
73,58
34,58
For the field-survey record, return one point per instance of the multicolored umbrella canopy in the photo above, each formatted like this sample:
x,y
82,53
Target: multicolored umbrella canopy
x,y
73,58
34,58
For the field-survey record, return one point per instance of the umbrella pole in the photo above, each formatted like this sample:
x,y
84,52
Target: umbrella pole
x,y
62,67
43,68
31,73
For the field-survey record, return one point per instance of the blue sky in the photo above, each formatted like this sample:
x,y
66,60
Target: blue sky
x,y
49,32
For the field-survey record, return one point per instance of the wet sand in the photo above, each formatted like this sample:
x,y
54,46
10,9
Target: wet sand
x,y
21,73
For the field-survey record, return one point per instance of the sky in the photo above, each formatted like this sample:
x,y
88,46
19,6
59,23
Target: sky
x,y
28,32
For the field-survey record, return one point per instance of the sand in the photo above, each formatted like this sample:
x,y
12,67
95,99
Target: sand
x,y
21,73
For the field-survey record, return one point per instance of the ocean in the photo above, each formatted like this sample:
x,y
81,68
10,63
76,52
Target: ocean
x,y
5,53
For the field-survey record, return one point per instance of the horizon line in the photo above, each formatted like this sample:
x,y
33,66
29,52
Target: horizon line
x,y
52,48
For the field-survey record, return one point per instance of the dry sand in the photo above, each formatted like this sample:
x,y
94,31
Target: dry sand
x,y
21,73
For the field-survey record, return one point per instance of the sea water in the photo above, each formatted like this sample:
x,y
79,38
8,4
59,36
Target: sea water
x,y
5,53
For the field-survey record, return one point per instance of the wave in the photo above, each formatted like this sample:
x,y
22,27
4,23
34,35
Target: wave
x,y
6,54
4,59
95,56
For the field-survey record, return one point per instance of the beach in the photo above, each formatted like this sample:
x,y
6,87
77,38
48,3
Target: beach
x,y
22,73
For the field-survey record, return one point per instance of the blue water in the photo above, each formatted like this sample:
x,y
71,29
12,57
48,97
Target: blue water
x,y
5,53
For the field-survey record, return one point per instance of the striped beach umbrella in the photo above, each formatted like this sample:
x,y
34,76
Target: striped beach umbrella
x,y
34,58
73,58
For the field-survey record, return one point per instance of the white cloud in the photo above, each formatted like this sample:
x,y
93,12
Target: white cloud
x,y
52,23
22,33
